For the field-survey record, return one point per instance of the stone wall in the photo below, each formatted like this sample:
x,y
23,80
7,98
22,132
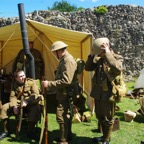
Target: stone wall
x,y
123,25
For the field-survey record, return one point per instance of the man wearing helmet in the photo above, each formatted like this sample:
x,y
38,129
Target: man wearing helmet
x,y
101,58
39,63
63,79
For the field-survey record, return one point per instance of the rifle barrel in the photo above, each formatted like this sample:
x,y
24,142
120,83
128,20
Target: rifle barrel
x,y
46,119
44,128
19,117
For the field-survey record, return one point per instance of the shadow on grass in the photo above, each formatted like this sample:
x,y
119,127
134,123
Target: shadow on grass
x,y
53,135
22,138
81,140
139,118
120,115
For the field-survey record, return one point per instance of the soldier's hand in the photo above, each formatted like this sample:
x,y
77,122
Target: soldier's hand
x,y
105,47
24,104
45,83
96,59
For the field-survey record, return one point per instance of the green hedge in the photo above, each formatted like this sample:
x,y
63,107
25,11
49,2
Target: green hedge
x,y
101,10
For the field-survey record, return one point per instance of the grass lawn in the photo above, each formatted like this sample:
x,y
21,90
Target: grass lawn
x,y
129,132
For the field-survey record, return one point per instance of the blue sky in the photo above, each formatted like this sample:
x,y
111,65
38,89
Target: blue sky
x,y
9,8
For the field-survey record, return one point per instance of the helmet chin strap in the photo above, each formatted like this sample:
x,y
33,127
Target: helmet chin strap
x,y
57,54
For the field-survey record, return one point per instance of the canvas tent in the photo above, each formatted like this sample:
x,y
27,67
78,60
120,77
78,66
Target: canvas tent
x,y
140,81
43,36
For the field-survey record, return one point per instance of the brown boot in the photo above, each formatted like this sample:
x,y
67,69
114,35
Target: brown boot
x,y
62,143
31,127
30,131
107,132
5,125
69,130
5,132
63,133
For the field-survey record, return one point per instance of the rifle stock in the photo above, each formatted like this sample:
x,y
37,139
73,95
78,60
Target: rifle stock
x,y
44,128
46,119
19,117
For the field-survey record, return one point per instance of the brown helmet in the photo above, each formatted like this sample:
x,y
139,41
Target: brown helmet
x,y
58,45
97,43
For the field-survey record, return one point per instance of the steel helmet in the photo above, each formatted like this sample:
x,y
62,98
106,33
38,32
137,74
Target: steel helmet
x,y
58,45
97,43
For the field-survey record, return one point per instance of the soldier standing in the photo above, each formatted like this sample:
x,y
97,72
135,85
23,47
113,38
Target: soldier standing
x,y
39,64
102,56
63,79
31,94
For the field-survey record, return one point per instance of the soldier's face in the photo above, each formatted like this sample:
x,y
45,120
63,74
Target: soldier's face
x,y
21,77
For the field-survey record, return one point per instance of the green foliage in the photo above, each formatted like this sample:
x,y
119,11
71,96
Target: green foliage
x,y
101,10
130,84
64,6
80,8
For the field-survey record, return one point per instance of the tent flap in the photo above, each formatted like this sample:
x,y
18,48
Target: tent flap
x,y
43,35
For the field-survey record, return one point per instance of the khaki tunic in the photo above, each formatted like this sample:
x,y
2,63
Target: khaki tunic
x,y
31,93
101,86
64,76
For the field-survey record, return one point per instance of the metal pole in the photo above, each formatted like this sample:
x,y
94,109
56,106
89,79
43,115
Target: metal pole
x,y
25,41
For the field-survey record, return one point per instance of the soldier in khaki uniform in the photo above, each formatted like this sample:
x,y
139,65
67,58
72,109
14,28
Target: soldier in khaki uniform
x,y
39,64
30,93
63,79
102,56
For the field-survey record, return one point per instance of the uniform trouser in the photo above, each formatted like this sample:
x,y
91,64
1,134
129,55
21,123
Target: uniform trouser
x,y
33,113
105,114
63,116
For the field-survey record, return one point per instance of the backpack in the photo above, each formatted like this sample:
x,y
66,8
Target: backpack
x,y
118,86
76,89
119,89
117,82
80,65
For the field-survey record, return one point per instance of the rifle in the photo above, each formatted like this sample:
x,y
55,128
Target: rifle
x,y
19,117
45,120
70,99
0,96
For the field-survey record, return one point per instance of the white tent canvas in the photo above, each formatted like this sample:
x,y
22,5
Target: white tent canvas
x,y
140,81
